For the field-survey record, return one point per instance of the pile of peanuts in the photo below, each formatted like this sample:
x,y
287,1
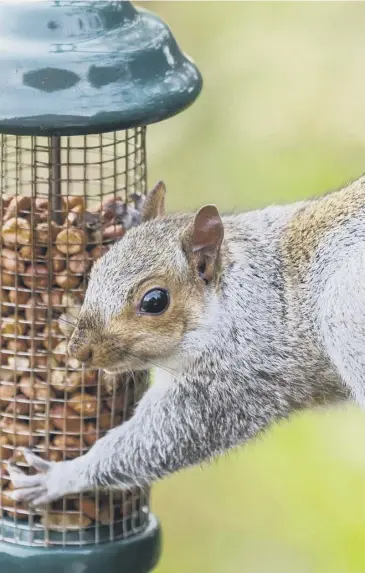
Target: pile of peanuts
x,y
48,401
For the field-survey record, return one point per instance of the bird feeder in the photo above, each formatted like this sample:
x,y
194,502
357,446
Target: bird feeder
x,y
79,83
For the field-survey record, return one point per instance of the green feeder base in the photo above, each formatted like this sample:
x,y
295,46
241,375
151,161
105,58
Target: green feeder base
x,y
138,554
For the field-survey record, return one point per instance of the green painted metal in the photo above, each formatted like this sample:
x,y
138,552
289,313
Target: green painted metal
x,y
137,554
76,67
20,533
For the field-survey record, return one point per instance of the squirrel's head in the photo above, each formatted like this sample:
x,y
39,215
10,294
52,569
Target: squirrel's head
x,y
150,289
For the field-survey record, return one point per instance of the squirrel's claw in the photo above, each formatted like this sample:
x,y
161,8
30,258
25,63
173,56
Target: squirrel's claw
x,y
32,495
36,462
37,489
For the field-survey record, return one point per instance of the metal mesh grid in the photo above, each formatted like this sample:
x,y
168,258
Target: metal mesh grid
x,y
62,202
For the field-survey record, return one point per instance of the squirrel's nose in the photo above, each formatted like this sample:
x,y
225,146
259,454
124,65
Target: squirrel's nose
x,y
83,352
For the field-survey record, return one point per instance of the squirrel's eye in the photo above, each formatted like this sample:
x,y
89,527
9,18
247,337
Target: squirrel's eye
x,y
155,301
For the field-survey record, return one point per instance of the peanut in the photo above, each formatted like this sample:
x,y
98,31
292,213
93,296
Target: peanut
x,y
74,364
53,299
71,446
20,406
11,325
70,241
5,309
60,352
18,457
66,281
107,420
79,263
51,335
4,480
65,419
63,383
11,261
8,279
84,404
78,209
16,346
35,388
8,392
43,204
41,425
18,296
18,206
58,260
59,521
5,201
117,402
90,377
72,299
36,312
90,434
72,219
98,251
30,253
72,302
4,356
74,381
5,449
48,453
18,433
66,324
58,379
5,500
46,233
16,231
6,376
19,363
37,276
87,507
38,361
76,202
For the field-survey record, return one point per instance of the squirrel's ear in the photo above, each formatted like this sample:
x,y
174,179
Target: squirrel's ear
x,y
206,240
154,206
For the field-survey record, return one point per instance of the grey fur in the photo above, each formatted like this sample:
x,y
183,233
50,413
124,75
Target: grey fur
x,y
265,345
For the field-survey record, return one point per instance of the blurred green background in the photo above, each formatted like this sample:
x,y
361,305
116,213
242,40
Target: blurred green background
x,y
281,117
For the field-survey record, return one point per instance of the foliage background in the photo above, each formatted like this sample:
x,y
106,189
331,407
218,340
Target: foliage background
x,y
281,117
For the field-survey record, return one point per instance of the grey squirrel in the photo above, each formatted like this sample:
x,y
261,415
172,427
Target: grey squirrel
x,y
248,317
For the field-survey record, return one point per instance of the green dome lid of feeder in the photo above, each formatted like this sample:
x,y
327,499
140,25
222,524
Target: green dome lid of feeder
x,y
80,66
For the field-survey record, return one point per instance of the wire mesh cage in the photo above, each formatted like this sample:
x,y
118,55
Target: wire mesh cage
x,y
64,201
79,81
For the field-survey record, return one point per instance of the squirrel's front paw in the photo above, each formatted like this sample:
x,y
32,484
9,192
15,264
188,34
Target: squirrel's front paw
x,y
48,484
